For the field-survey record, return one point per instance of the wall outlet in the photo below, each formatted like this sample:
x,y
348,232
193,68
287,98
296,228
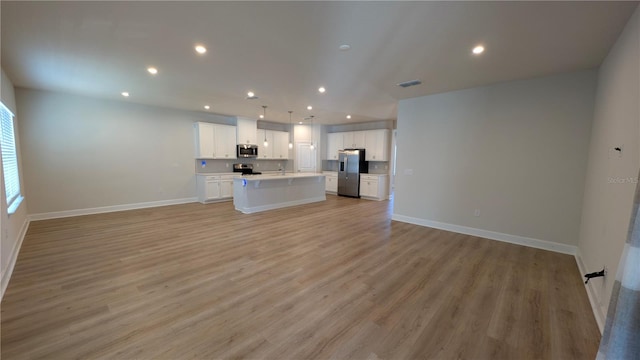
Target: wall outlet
x,y
375,166
227,164
476,212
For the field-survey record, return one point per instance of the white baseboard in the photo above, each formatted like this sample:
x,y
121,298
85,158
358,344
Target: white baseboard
x,y
513,239
107,209
598,312
255,209
8,270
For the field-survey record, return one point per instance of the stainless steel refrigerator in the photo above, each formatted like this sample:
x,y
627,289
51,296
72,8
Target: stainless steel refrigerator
x,y
351,164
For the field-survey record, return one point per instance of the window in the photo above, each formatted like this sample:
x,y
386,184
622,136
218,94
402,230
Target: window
x,y
9,160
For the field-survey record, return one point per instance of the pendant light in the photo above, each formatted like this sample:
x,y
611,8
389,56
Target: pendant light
x,y
312,147
290,131
264,116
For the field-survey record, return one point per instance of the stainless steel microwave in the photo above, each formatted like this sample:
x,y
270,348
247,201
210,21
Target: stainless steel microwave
x,y
247,151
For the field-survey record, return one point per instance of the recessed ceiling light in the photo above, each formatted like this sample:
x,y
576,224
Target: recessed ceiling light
x,y
309,107
200,49
207,107
152,70
125,94
251,94
300,123
322,89
348,116
345,47
261,116
478,50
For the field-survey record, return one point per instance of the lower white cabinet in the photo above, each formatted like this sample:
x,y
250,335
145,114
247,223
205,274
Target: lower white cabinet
x,y
212,188
373,186
331,181
226,186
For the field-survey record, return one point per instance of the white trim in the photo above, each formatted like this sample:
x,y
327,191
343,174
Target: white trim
x,y
8,270
107,209
598,311
255,209
513,239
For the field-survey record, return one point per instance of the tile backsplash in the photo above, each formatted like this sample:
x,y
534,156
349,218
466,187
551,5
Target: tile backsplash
x,y
223,166
375,167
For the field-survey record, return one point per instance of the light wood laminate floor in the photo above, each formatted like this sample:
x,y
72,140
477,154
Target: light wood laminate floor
x,y
336,279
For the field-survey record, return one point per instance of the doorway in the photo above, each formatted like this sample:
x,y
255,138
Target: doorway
x,y
305,157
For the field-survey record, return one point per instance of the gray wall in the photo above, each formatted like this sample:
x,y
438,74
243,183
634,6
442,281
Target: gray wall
x,y
82,152
612,180
516,151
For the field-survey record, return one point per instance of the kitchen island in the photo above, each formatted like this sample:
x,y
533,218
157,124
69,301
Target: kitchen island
x,y
257,193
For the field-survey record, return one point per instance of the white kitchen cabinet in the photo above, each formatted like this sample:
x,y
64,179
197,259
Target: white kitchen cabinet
x,y
278,144
224,142
334,144
265,152
211,188
375,142
353,139
204,140
377,145
226,186
347,140
208,188
247,131
373,186
331,181
214,141
359,139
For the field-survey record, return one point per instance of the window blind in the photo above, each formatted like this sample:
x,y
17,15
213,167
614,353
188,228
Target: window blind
x,y
9,156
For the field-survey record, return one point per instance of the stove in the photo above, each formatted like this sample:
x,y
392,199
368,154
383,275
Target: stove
x,y
245,169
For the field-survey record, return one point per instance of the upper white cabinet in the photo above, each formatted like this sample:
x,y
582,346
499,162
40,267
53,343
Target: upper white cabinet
x,y
204,140
247,131
375,142
377,145
353,139
214,141
278,144
265,152
334,144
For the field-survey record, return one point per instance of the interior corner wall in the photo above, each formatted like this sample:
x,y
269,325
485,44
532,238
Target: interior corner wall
x,y
13,226
515,151
83,153
612,177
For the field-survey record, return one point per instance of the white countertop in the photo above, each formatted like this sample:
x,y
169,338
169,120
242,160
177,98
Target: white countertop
x,y
279,176
217,174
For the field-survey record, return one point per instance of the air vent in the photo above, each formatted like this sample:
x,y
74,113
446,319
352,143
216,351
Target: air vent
x,y
410,83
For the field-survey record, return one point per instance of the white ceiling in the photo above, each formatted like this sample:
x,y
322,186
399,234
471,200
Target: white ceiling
x,y
284,51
